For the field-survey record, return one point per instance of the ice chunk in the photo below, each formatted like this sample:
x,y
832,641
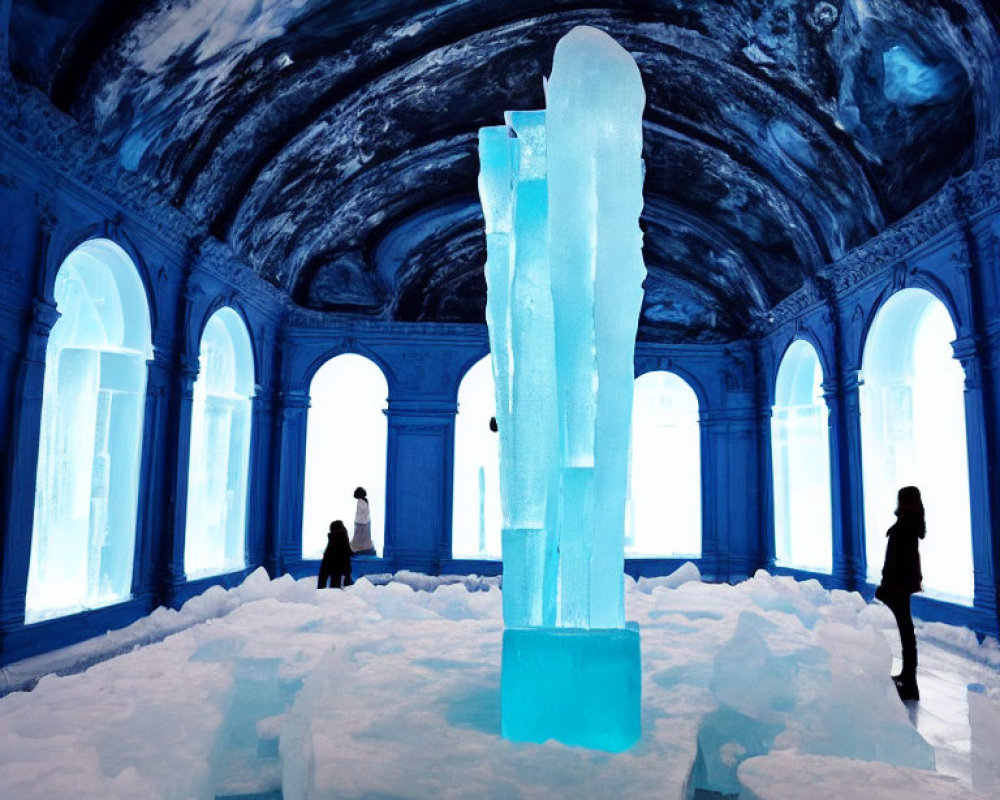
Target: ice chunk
x,y
779,685
685,573
984,720
752,679
859,714
786,775
571,685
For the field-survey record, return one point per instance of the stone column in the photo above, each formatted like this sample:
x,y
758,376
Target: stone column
x,y
984,549
714,470
158,455
174,541
419,463
765,459
294,409
27,418
260,540
733,546
835,410
849,557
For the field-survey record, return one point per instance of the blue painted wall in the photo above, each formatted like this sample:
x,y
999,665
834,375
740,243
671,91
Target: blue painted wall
x,y
47,213
948,246
51,202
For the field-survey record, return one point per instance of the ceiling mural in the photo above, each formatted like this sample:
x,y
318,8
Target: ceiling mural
x,y
332,143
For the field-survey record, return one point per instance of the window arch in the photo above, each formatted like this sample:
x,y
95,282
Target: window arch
x,y
663,514
800,457
87,480
345,448
215,532
913,433
476,517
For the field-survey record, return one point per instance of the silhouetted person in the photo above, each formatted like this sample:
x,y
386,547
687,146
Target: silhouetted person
x,y
361,544
901,577
336,565
493,424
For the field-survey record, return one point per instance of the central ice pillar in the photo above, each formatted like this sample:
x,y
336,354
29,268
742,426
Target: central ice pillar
x,y
562,193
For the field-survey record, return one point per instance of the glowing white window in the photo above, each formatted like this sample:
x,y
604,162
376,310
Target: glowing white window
x,y
663,514
476,516
345,448
215,535
86,491
913,433
800,455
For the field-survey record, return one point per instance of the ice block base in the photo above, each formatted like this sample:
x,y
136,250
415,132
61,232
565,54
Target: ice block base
x,y
580,687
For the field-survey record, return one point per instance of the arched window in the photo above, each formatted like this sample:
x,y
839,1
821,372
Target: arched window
x,y
913,433
215,533
87,484
345,448
476,518
663,515
800,455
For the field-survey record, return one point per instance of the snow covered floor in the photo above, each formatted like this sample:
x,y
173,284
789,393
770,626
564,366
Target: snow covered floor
x,y
769,690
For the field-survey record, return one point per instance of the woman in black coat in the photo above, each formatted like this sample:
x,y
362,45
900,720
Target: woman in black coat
x,y
336,564
901,577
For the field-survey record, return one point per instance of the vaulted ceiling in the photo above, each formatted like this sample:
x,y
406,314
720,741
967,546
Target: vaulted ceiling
x,y
333,143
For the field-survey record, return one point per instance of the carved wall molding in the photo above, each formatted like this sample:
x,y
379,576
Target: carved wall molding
x,y
815,293
302,322
974,193
218,260
65,158
962,199
647,363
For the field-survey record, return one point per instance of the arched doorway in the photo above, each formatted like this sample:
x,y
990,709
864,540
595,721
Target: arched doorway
x,y
913,433
476,517
663,513
345,448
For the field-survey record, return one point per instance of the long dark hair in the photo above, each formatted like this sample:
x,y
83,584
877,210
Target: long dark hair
x,y
338,540
910,509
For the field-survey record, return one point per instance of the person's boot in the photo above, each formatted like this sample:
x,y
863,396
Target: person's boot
x,y
906,687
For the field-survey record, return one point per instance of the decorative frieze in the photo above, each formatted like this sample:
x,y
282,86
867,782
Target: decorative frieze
x,y
303,321
962,199
67,154
814,293
218,259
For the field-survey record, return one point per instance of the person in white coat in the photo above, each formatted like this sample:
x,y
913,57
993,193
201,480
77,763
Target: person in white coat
x,y
361,543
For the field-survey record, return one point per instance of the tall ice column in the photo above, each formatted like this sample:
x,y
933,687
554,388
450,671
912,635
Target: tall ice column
x,y
594,119
562,193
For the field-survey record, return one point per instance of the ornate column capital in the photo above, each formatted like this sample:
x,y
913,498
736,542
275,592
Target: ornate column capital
x,y
850,381
294,405
43,316
967,352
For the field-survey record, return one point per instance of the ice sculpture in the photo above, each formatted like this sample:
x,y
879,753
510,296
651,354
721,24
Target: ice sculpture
x,y
215,533
562,193
86,493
